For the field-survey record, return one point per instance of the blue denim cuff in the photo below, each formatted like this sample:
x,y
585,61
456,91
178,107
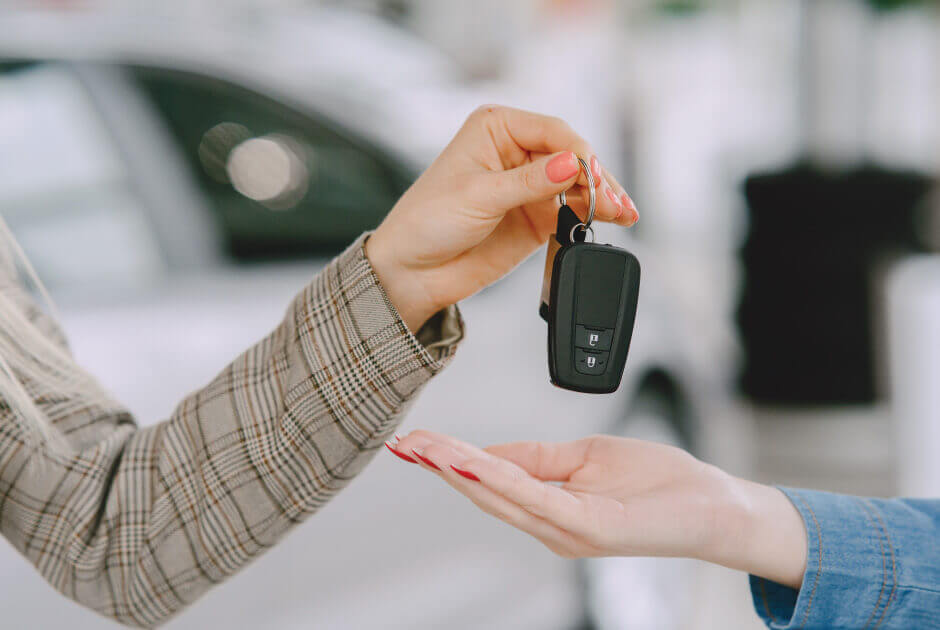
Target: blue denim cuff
x,y
852,569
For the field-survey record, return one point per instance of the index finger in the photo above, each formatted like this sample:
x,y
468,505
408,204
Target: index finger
x,y
551,503
540,134
535,133
501,476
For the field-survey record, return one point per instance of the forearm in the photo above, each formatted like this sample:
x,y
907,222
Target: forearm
x,y
759,531
824,560
148,520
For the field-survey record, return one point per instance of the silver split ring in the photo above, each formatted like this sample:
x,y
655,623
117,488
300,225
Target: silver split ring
x,y
592,196
586,228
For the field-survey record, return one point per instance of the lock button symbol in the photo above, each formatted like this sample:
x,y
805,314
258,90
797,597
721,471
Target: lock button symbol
x,y
589,362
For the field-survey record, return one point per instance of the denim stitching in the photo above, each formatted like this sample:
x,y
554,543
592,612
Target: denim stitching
x,y
809,603
894,573
884,559
763,594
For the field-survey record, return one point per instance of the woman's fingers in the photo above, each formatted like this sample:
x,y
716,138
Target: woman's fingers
x,y
630,214
541,180
547,134
532,132
547,461
535,181
421,439
620,209
548,502
505,478
607,206
441,454
519,136
517,133
558,540
446,461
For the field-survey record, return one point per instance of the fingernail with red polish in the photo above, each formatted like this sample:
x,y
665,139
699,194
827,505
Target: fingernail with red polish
x,y
465,473
562,167
399,453
635,217
627,202
596,170
425,460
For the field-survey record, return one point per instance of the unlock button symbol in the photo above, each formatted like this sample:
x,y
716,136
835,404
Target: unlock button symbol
x,y
592,338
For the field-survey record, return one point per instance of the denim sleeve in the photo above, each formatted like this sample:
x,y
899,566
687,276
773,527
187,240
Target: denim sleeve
x,y
871,563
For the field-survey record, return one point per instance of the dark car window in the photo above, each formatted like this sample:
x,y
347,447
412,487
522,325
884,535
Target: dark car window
x,y
281,183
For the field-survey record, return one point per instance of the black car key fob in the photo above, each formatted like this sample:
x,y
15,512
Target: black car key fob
x,y
589,299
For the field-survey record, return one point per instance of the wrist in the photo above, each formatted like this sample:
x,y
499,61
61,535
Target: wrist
x,y
761,532
400,284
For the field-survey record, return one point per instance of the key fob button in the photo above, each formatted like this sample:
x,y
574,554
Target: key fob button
x,y
588,362
592,338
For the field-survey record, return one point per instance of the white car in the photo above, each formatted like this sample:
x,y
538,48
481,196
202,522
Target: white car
x,y
175,194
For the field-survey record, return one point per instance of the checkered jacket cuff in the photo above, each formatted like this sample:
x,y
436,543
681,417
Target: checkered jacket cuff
x,y
361,366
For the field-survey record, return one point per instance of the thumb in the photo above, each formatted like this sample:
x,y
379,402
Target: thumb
x,y
533,182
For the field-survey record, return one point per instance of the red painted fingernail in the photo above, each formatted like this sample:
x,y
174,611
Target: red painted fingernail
x,y
610,195
465,473
425,460
596,170
399,453
636,217
627,202
562,167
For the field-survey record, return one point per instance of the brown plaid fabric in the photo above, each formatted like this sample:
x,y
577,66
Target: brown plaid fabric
x,y
140,522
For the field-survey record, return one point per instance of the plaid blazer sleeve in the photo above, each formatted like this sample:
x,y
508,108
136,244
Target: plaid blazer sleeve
x,y
140,522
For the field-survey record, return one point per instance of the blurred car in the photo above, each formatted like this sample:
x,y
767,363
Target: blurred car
x,y
176,188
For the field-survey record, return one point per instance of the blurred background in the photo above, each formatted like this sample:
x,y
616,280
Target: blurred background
x,y
178,170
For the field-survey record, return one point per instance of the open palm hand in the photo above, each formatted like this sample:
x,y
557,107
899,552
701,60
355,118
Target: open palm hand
x,y
608,496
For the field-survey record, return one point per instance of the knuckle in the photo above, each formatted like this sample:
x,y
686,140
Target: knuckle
x,y
486,111
529,179
558,123
578,144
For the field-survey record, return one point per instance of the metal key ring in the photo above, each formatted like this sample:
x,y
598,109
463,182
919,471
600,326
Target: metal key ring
x,y
592,196
586,228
